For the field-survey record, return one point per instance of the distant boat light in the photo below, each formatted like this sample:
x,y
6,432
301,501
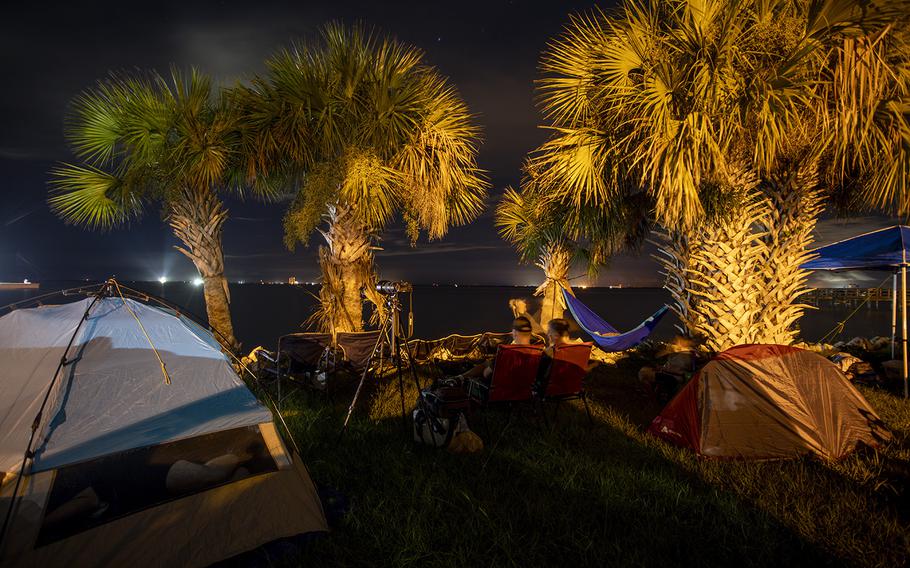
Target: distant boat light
x,y
197,281
162,279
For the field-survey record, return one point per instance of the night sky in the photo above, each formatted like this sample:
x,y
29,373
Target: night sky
x,y
489,50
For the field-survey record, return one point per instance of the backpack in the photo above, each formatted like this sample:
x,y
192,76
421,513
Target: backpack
x,y
438,413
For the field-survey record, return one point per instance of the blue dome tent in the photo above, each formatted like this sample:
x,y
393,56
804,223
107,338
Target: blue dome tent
x,y
126,434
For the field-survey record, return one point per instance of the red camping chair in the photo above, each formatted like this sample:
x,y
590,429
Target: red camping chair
x,y
514,373
565,380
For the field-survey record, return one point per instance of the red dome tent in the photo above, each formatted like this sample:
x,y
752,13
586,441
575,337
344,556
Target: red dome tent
x,y
766,402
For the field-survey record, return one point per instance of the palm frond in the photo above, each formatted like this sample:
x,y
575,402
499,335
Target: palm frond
x,y
90,197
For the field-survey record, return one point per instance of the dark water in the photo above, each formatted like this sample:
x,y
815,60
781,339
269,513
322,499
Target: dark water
x,y
263,312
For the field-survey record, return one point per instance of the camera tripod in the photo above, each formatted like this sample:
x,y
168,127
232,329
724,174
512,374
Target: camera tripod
x,y
392,339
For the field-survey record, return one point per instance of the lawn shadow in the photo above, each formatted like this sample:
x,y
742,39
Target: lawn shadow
x,y
855,508
572,495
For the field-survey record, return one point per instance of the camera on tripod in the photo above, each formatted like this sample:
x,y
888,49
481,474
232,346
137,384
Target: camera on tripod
x,y
390,287
391,341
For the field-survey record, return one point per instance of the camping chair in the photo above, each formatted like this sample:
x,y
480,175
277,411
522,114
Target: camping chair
x,y
565,379
299,353
357,347
305,351
490,341
514,372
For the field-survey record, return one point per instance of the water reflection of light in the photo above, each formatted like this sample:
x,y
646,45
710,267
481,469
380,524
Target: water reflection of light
x,y
860,278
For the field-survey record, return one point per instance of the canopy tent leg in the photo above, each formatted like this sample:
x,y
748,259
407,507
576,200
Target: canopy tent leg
x,y
893,313
904,317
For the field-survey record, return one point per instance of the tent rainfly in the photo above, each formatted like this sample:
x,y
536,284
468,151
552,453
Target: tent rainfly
x,y
148,448
882,250
769,402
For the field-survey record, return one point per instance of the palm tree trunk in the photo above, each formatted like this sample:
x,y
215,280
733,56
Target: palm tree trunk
x,y
197,218
738,279
795,205
346,262
555,261
713,276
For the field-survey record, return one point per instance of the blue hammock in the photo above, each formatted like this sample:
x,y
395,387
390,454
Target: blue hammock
x,y
597,328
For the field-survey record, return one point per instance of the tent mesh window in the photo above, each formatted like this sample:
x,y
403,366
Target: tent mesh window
x,y
89,494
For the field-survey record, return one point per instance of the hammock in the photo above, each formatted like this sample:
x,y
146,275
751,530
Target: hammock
x,y
598,329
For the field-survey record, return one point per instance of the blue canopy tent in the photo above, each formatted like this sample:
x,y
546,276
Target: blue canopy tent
x,y
604,334
883,250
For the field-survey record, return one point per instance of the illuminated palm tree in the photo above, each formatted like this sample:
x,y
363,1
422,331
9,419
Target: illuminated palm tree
x,y
553,235
145,139
738,119
362,129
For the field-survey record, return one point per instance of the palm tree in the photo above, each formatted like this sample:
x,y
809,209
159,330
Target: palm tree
x,y
361,129
145,139
738,119
553,235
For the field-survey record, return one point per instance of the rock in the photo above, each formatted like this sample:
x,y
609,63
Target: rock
x,y
881,343
893,369
860,343
816,347
861,371
646,375
844,361
606,358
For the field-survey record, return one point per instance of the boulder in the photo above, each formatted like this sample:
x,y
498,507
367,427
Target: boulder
x,y
860,343
646,375
845,360
863,372
881,343
893,369
823,349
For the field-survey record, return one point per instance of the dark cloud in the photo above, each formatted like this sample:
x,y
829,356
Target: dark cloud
x,y
489,49
441,248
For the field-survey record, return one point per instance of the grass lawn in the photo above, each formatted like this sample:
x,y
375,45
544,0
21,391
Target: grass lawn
x,y
603,495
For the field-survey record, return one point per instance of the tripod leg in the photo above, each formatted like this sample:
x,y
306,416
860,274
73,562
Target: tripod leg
x,y
395,342
363,379
347,417
404,413
407,350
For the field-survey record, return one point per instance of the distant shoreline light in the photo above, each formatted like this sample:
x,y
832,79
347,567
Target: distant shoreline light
x,y
198,281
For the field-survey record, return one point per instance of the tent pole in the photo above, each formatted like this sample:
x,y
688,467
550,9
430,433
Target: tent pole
x,y
904,315
893,312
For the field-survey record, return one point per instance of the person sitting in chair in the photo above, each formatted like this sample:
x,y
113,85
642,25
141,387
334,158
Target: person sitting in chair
x,y
521,335
682,359
557,334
